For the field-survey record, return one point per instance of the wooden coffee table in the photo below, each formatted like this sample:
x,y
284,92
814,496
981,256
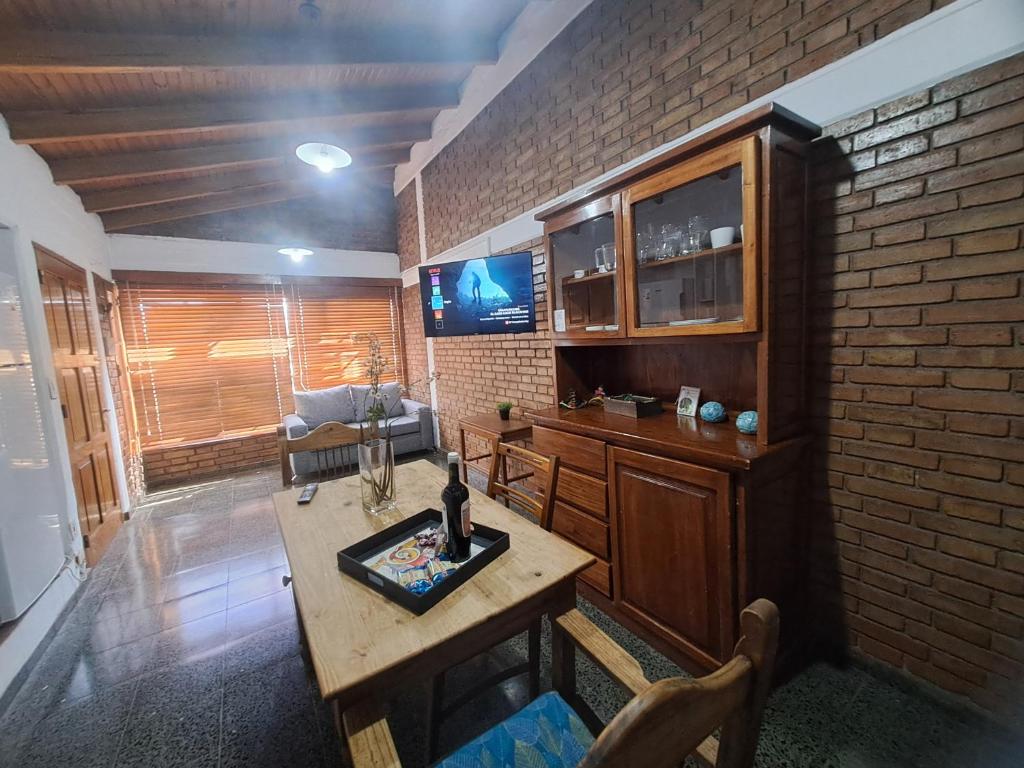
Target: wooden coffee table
x,y
493,429
365,648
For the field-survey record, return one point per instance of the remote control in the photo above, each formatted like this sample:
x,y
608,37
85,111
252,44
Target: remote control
x,y
308,493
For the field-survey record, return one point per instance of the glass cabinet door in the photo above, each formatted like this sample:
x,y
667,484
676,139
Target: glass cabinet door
x,y
691,233
583,252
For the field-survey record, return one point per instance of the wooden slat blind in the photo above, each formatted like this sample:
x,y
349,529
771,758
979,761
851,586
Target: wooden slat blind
x,y
211,361
323,324
206,361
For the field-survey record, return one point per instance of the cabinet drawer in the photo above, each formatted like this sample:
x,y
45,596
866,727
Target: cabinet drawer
x,y
581,453
599,576
580,529
583,492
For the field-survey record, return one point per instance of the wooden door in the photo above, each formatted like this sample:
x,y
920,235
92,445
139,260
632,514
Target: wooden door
x,y
76,362
673,551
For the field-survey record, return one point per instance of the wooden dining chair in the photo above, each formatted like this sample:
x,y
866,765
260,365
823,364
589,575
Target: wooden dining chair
x,y
663,724
328,443
539,501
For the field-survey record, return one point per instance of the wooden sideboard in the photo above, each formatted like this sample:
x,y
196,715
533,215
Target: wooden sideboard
x,y
690,520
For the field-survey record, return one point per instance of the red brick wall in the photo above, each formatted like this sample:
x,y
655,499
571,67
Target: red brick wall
x,y
477,372
917,335
918,390
165,466
408,230
624,78
417,375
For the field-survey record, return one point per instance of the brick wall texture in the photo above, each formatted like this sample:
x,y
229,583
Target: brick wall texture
x,y
624,78
917,347
417,375
916,318
476,372
408,229
164,466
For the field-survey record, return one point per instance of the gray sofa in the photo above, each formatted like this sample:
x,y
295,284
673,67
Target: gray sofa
x,y
410,422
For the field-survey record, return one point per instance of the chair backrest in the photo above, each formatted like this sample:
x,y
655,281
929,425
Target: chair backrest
x,y
327,444
543,470
672,718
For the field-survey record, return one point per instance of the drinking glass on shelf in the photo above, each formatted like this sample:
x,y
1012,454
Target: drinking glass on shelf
x,y
599,259
644,245
698,232
608,254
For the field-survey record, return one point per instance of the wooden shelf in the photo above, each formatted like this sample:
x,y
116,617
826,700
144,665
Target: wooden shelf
x,y
587,278
735,247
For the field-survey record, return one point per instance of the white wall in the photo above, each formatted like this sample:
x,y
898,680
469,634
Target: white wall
x,y
36,210
178,254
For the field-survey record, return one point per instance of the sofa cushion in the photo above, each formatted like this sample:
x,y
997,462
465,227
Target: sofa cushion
x,y
402,425
318,406
391,397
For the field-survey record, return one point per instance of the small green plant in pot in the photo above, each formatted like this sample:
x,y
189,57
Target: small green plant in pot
x,y
504,410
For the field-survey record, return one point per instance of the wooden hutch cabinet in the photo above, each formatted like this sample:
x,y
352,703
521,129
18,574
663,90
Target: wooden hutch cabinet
x,y
686,270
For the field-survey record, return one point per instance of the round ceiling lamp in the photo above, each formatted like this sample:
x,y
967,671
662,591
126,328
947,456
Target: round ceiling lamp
x,y
325,157
295,254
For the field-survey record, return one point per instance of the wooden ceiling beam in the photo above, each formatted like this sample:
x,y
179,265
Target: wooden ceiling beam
x,y
84,125
91,53
117,221
107,200
135,165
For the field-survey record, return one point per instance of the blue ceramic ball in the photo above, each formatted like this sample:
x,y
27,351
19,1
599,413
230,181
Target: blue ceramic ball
x,y
712,411
746,422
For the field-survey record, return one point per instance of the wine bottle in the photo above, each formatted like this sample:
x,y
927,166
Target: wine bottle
x,y
455,498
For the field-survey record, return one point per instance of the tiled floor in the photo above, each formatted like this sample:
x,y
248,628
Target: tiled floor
x,y
183,651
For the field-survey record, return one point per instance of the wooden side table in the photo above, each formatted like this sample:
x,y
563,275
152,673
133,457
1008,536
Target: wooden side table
x,y
492,428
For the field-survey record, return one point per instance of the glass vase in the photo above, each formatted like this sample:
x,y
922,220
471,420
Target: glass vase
x,y
377,475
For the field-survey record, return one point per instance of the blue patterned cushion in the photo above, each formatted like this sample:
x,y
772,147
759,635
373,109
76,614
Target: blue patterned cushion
x,y
544,734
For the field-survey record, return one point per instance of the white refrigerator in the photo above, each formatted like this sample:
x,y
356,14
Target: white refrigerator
x,y
31,492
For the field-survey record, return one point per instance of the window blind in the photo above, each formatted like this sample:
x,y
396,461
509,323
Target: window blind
x,y
219,361
206,361
328,328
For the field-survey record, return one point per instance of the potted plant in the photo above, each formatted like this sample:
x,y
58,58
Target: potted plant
x,y
376,454
504,410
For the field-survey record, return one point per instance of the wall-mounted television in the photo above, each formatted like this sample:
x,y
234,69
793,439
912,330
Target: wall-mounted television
x,y
489,295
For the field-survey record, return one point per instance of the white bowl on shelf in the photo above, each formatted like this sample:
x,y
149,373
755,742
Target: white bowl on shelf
x,y
722,236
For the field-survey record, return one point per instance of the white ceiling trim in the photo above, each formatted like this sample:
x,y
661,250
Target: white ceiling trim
x,y
959,38
538,24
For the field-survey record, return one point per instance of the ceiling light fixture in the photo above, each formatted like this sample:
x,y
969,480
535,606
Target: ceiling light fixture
x,y
295,254
325,157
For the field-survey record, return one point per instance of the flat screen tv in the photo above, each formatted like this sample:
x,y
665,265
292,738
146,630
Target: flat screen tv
x,y
490,295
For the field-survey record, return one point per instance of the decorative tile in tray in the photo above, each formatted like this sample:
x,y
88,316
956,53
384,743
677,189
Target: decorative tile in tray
x,y
393,563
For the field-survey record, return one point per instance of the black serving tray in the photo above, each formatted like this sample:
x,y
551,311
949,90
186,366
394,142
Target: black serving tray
x,y
350,560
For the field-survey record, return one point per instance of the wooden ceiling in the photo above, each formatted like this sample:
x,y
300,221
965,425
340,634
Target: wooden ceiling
x,y
158,110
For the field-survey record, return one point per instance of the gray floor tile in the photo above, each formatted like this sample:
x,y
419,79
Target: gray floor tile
x,y
177,735
85,733
257,562
248,588
188,582
260,613
262,648
194,606
197,640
